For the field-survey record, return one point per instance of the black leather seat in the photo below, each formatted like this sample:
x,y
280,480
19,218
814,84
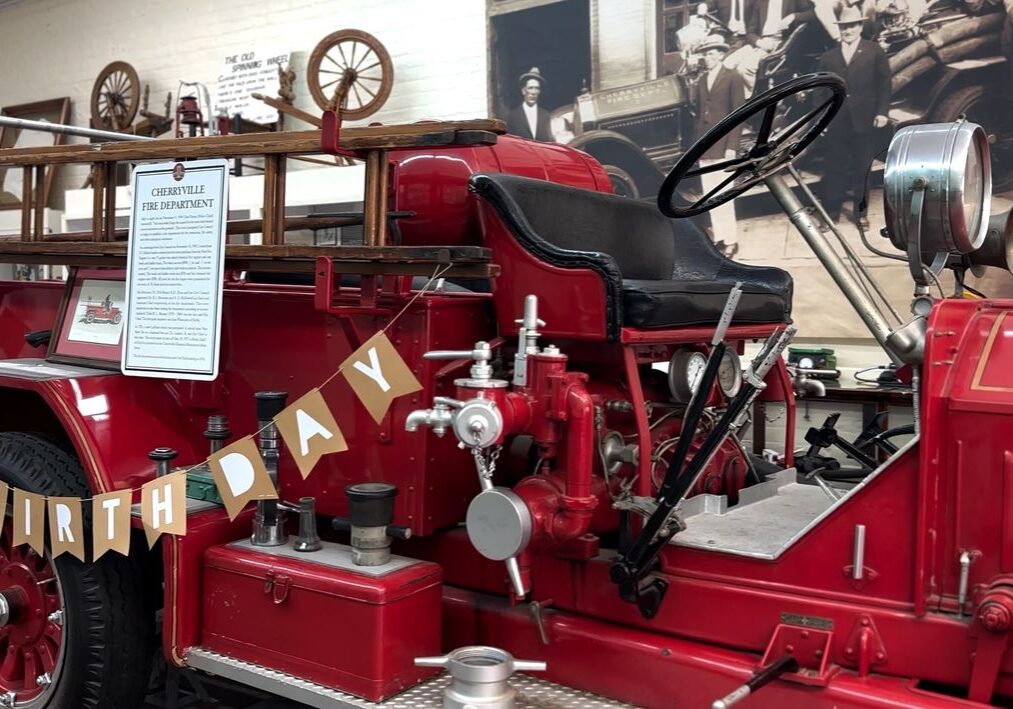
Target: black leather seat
x,y
657,272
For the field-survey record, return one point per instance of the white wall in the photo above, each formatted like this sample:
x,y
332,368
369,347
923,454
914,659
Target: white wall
x,y
54,48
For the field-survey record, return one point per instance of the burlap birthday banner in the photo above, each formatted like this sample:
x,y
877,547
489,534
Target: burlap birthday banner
x,y
375,372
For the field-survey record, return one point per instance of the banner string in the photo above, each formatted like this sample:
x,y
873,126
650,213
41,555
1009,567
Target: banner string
x,y
437,273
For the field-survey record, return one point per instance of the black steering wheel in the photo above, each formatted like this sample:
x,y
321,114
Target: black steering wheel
x,y
768,154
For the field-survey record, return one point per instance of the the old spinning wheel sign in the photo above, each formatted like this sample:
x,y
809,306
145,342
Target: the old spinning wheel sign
x,y
351,71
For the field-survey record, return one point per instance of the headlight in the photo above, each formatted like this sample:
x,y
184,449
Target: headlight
x,y
949,164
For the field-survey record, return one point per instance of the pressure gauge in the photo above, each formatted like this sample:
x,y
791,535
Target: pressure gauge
x,y
730,373
806,363
684,372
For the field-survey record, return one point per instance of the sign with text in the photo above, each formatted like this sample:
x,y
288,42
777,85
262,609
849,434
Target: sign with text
x,y
244,73
175,262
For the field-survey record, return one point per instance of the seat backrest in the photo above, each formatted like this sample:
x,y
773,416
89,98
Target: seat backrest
x,y
635,234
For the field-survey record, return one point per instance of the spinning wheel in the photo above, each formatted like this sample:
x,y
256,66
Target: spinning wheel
x,y
819,95
115,97
355,62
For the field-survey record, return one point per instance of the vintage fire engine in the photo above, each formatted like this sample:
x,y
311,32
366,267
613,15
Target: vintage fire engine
x,y
551,502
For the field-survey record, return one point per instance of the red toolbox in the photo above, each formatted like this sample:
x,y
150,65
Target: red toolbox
x,y
317,616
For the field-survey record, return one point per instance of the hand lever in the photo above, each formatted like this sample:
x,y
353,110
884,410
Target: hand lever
x,y
764,676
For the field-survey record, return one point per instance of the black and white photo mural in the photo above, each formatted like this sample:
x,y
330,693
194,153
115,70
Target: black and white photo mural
x,y
635,83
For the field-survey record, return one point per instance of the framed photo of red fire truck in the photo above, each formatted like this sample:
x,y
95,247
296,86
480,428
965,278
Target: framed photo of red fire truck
x,y
89,323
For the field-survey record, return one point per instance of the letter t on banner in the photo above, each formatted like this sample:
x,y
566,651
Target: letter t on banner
x,y
240,475
310,431
111,523
378,375
163,506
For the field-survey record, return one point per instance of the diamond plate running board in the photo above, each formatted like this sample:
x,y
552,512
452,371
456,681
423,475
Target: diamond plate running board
x,y
531,693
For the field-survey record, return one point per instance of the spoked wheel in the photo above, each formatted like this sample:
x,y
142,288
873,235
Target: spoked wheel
x,y
772,147
31,608
73,634
360,60
115,97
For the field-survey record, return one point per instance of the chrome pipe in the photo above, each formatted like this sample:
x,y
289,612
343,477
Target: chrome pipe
x,y
860,266
47,127
858,554
810,231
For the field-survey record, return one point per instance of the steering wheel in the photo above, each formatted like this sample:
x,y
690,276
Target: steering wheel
x,y
768,154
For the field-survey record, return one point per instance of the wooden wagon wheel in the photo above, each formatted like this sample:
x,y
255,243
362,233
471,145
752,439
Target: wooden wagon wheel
x,y
360,59
115,97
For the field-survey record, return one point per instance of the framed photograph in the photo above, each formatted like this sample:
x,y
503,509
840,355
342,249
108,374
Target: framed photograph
x,y
89,323
55,110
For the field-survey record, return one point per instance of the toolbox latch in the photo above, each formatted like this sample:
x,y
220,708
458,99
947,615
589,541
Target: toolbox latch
x,y
278,586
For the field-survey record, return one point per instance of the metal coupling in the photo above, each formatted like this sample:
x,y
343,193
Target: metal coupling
x,y
162,458
308,539
479,676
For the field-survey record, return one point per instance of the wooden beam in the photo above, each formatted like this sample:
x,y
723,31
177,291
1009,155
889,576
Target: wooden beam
x,y
353,138
268,234
109,232
40,202
98,175
26,204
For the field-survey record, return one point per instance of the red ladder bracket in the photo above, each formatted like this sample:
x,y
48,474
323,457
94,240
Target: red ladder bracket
x,y
865,646
810,646
330,132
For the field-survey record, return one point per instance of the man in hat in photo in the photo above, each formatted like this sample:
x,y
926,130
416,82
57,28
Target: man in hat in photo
x,y
720,91
856,135
529,120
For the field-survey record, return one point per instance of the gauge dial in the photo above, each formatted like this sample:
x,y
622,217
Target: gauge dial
x,y
730,373
806,363
684,372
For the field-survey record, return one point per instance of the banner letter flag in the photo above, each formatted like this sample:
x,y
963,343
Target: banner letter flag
x,y
29,516
378,375
111,523
4,492
66,530
240,475
310,431
163,506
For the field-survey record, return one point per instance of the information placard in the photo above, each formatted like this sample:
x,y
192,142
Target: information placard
x,y
244,73
175,262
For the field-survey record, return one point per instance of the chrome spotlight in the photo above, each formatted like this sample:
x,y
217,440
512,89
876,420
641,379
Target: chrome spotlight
x,y
937,192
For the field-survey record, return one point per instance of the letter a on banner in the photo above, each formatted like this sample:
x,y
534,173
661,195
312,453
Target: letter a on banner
x,y
240,475
66,530
111,523
29,516
310,431
378,375
163,506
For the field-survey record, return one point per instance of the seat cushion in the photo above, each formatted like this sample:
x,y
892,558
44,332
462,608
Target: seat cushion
x,y
685,303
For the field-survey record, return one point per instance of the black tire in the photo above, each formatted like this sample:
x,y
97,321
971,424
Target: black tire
x,y
89,317
107,627
116,318
989,107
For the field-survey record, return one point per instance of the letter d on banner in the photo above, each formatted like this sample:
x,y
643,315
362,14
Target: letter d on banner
x,y
378,375
163,506
110,515
310,431
29,516
240,475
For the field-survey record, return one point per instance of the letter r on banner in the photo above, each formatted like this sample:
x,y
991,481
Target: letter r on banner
x,y
66,529
111,523
378,375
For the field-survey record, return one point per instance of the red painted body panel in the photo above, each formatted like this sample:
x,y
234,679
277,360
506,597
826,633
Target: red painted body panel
x,y
328,625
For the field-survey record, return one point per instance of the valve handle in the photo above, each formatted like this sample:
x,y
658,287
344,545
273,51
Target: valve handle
x,y
761,678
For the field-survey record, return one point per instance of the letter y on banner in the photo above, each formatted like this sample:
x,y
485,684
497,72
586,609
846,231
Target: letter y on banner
x,y
310,431
163,506
240,475
378,375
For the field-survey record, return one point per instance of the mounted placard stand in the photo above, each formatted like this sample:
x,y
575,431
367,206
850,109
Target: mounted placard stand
x,y
175,261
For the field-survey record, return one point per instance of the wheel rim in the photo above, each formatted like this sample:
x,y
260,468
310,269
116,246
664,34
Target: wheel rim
x,y
32,640
365,61
115,97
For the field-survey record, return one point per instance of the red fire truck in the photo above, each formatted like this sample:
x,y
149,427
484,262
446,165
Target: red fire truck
x,y
550,502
